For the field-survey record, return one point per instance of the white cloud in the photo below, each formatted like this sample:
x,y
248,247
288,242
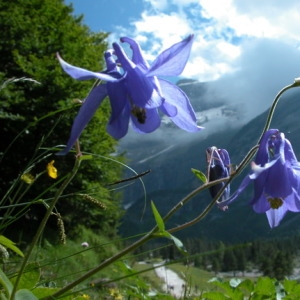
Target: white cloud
x,y
162,26
266,18
221,29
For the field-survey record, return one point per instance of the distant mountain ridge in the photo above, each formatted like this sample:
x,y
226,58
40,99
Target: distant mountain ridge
x,y
172,157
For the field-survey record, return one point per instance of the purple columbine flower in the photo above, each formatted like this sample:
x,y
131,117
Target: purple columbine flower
x,y
276,178
170,99
136,93
218,167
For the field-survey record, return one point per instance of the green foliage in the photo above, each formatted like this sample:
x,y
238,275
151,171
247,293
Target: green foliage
x,y
7,243
263,288
200,175
22,293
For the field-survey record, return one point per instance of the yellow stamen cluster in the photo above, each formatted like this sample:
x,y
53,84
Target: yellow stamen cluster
x,y
275,202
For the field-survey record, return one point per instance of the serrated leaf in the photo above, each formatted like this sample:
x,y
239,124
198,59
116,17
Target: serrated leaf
x,y
10,245
158,219
200,175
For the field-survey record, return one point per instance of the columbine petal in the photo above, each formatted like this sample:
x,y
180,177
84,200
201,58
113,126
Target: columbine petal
x,y
138,59
276,215
118,98
83,74
140,88
172,61
280,186
169,109
290,155
117,127
262,155
260,204
293,201
137,56
185,117
233,197
86,112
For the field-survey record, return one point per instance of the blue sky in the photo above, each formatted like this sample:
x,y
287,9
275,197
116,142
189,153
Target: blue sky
x,y
107,15
251,48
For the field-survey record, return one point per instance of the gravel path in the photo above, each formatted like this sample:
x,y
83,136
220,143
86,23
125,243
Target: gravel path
x,y
173,284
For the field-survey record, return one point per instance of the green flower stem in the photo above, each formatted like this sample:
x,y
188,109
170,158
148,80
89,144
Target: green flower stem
x,y
274,104
44,221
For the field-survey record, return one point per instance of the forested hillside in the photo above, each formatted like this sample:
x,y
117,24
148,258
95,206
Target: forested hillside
x,y
38,103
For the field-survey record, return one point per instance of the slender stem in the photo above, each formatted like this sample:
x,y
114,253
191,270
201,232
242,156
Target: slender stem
x,y
273,107
44,221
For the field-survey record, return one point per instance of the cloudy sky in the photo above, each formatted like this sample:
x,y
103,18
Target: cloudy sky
x,y
252,48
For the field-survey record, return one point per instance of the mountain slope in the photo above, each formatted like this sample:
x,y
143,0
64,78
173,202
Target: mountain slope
x,y
170,179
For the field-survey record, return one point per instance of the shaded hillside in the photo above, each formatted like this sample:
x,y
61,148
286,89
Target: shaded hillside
x,y
171,179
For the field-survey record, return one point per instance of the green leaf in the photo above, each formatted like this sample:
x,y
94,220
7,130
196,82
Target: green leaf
x,y
30,276
162,232
178,244
43,292
159,220
10,245
200,175
247,285
265,286
4,281
25,295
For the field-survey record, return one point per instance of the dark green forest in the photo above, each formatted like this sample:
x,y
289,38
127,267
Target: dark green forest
x,y
38,105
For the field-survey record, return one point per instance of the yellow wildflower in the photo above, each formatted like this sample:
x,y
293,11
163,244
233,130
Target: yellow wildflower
x,y
115,293
28,178
52,171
